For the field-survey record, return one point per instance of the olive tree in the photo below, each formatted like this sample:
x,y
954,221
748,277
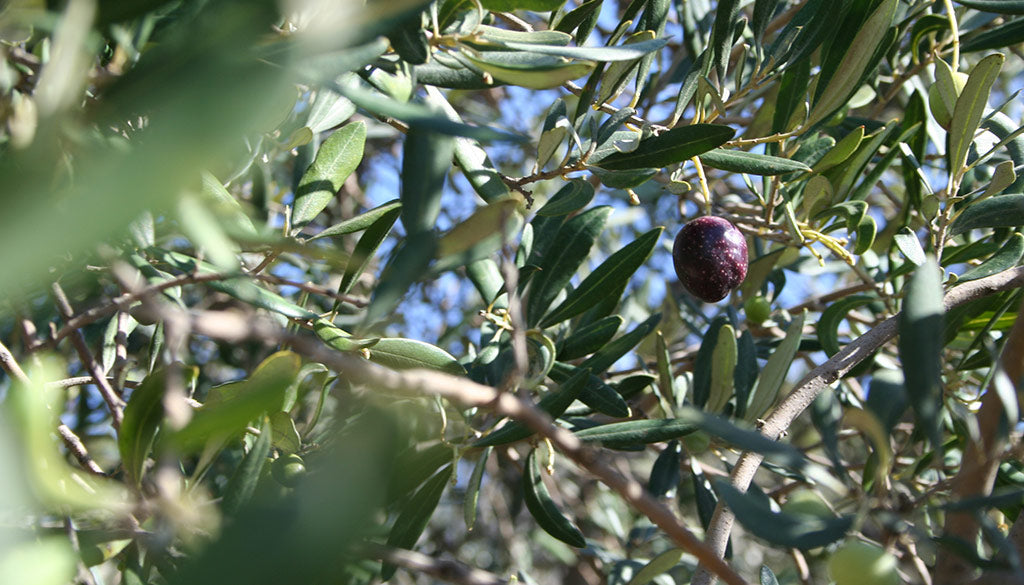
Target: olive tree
x,y
391,291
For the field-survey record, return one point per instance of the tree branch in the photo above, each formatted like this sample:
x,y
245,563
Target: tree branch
x,y
235,328
446,570
817,380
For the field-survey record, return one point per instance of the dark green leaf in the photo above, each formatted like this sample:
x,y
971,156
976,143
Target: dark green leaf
x,y
920,346
595,394
534,5
473,489
774,373
763,11
339,339
284,435
610,276
368,243
554,403
543,508
414,465
704,361
637,432
746,371
721,34
415,515
999,211
657,566
574,195
360,222
409,40
242,484
739,161
142,416
998,6
400,354
802,531
828,324
610,353
574,241
970,107
589,338
671,147
337,157
1007,257
233,406
409,263
665,473
426,159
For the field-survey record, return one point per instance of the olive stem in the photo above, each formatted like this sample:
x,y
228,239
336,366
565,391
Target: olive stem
x,y
703,184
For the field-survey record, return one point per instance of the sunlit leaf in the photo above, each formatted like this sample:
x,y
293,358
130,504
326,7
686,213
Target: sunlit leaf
x,y
543,508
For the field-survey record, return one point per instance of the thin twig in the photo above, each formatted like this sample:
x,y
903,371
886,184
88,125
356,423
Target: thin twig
x,y
114,402
10,365
820,378
77,448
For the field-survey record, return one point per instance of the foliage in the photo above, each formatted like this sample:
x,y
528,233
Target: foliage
x,y
290,287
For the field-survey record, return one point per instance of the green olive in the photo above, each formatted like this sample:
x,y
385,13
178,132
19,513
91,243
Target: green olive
x,y
288,470
860,563
758,309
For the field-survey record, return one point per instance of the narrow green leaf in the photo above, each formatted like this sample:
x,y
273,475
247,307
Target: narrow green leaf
x,y
337,157
704,361
242,484
723,368
1003,176
328,110
668,148
721,34
865,235
1007,257
1000,211
831,317
589,338
624,52
1005,35
610,276
906,240
472,496
802,531
490,222
575,240
415,516
368,243
527,69
415,465
401,354
841,151
997,6
233,406
360,222
637,432
666,388
610,353
746,372
495,35
920,346
338,339
543,508
284,435
554,403
774,373
659,565
855,62
486,278
142,416
665,473
512,5
426,159
970,107
740,161
617,74
409,263
574,195
595,394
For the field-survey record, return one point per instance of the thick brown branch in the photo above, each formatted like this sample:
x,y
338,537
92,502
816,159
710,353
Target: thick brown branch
x,y
817,380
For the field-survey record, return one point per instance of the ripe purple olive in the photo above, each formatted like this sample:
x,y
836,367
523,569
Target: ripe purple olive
x,y
710,257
